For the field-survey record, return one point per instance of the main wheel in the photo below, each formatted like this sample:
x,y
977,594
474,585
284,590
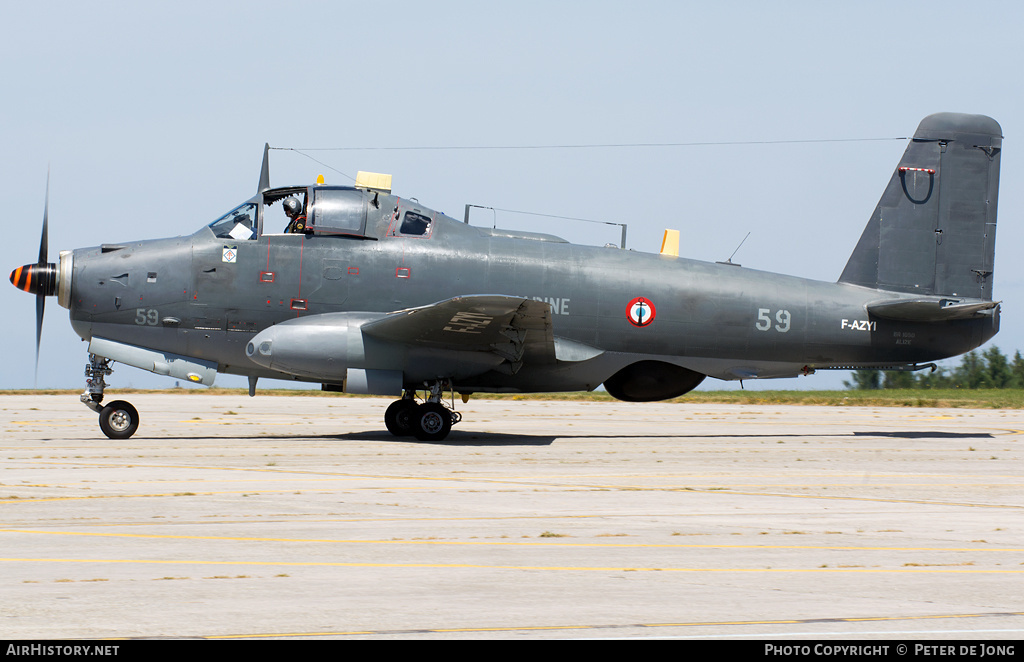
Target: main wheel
x,y
431,422
119,420
398,417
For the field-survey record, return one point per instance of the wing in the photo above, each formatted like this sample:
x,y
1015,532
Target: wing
x,y
514,328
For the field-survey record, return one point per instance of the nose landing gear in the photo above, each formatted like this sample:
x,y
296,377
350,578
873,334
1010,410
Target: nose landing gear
x,y
429,421
119,419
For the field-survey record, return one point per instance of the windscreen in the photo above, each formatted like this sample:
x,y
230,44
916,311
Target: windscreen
x,y
239,223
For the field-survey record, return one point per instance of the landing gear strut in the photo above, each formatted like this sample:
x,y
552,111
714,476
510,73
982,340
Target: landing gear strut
x,y
119,419
429,421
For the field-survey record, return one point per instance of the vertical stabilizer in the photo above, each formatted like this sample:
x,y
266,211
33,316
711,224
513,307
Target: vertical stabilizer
x,y
933,232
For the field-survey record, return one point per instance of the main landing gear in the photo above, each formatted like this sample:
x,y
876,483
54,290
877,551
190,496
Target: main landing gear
x,y
429,421
119,419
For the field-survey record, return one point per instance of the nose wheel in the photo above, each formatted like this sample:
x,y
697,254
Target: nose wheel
x,y
119,420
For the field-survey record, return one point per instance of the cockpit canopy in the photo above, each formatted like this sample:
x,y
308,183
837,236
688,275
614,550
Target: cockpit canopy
x,y
323,210
339,211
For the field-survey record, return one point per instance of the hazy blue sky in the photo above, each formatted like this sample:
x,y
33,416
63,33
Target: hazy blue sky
x,y
152,117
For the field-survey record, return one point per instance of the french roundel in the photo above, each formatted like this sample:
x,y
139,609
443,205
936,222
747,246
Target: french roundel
x,y
640,312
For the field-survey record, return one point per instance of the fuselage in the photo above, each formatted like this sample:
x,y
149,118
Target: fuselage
x,y
206,297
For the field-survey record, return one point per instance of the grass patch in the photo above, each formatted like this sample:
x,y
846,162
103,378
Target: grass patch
x,y
955,398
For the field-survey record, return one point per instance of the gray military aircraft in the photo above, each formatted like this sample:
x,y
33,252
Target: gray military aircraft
x,y
366,292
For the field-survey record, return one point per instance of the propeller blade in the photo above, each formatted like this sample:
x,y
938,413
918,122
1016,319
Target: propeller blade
x,y
44,242
40,278
44,249
40,308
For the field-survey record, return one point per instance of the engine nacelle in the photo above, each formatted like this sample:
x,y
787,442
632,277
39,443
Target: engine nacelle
x,y
332,348
647,381
319,347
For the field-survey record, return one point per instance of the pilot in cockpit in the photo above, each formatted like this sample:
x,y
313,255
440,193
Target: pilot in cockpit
x,y
293,209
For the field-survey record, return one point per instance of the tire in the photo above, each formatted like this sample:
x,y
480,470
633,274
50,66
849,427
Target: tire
x,y
432,422
398,417
119,420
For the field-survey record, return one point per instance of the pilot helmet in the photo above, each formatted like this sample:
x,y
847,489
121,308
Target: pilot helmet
x,y
291,207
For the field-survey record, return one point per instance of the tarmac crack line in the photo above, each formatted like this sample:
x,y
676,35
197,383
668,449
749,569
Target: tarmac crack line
x,y
473,566
504,543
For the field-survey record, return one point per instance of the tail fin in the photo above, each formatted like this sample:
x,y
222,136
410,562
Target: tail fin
x,y
933,232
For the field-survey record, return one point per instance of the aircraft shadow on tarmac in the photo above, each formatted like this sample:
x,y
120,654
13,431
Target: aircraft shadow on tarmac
x,y
455,439
503,439
929,434
472,438
460,438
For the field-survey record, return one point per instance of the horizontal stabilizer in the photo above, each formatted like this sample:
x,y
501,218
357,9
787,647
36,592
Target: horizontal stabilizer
x,y
928,310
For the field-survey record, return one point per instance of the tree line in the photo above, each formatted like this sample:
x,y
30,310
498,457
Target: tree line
x,y
987,369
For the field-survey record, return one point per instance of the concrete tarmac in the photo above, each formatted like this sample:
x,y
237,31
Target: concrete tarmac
x,y
236,517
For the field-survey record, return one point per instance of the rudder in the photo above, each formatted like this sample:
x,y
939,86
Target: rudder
x,y
933,231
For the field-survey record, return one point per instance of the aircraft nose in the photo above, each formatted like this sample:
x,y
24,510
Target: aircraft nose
x,y
36,278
